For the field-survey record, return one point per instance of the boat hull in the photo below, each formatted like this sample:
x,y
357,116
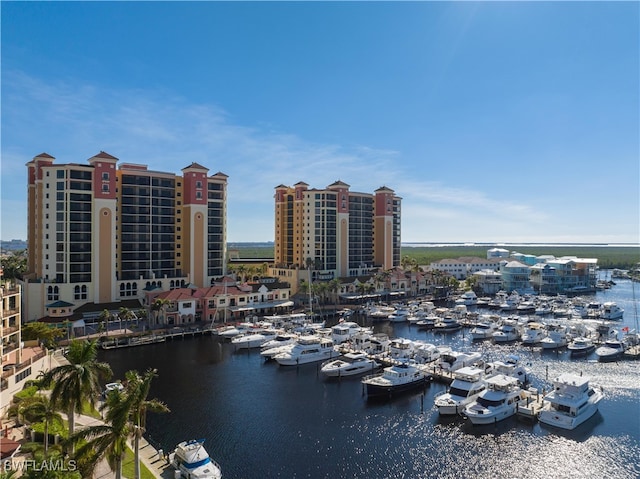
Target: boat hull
x,y
378,390
564,421
491,416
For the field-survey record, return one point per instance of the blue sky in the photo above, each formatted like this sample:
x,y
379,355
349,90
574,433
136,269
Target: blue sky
x,y
494,121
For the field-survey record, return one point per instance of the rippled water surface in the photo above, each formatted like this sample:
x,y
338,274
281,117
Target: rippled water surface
x,y
262,420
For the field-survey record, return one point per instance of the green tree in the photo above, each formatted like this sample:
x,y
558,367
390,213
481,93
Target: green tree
x,y
159,307
105,441
137,390
14,265
42,332
104,318
78,382
40,409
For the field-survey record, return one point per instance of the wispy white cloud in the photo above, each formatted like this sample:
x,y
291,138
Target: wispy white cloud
x,y
74,121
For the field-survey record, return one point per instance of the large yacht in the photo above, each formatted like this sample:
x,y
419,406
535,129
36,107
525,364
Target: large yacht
x,y
571,402
467,384
349,364
397,378
307,349
499,401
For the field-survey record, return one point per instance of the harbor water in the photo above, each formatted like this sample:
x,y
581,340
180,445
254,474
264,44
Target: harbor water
x,y
263,420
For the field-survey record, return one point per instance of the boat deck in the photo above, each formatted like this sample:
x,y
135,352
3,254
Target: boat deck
x,y
530,411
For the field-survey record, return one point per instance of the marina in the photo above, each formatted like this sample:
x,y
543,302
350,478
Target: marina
x,y
260,418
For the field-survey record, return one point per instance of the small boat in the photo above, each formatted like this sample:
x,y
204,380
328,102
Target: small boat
x,y
581,347
350,364
401,348
451,361
191,460
254,339
116,386
611,311
466,386
483,329
468,298
395,379
507,332
511,366
571,402
499,401
611,350
556,338
399,315
533,333
344,330
447,325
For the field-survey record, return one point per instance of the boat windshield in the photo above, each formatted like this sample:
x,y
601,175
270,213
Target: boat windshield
x,y
489,403
454,391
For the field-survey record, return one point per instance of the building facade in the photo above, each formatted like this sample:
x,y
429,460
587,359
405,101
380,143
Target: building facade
x,y
334,232
102,232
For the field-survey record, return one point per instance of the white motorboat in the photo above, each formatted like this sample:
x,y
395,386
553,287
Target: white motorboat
x,y
533,333
611,350
281,339
468,298
447,325
428,322
571,402
191,460
424,352
395,379
543,309
349,364
380,313
484,328
466,386
235,330
254,339
451,361
499,401
581,347
508,331
556,337
344,330
116,386
379,343
307,349
511,366
399,315
401,348
281,343
611,311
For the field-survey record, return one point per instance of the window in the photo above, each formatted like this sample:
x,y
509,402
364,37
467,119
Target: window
x,y
198,184
105,176
105,188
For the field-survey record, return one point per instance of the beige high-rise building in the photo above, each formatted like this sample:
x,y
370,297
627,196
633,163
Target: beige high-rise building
x,y
334,232
104,232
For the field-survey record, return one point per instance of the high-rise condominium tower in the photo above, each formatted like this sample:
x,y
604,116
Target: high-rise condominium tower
x,y
102,232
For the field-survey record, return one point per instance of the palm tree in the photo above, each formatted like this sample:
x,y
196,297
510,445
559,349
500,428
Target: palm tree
x,y
109,440
40,409
334,287
137,390
126,314
160,305
104,318
79,380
